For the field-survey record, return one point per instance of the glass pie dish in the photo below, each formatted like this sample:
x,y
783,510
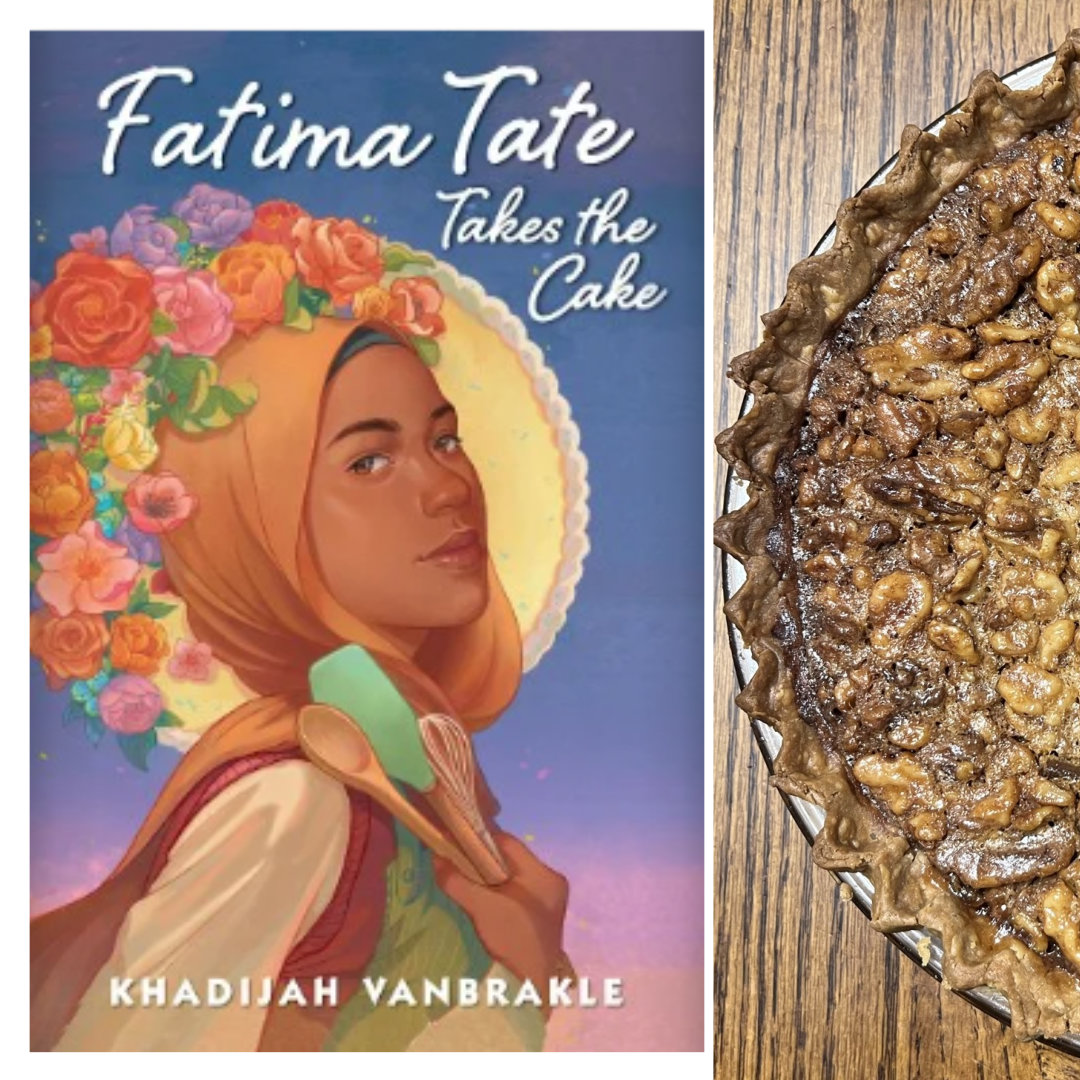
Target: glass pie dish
x,y
921,945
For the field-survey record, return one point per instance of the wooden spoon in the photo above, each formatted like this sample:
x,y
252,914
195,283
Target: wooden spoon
x,y
337,744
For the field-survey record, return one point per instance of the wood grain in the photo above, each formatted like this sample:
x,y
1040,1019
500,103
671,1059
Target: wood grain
x,y
811,98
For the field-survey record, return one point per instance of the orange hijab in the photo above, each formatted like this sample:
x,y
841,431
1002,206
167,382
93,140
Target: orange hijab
x,y
252,592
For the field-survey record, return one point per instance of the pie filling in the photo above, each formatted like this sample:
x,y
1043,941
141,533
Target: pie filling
x,y
933,502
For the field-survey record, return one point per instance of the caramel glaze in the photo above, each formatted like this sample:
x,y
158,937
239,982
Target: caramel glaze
x,y
931,509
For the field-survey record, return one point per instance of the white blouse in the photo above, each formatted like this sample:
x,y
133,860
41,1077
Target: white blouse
x,y
223,908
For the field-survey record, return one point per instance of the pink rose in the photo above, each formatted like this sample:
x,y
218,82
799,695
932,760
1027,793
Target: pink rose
x,y
191,661
83,571
158,503
416,303
129,704
124,386
202,312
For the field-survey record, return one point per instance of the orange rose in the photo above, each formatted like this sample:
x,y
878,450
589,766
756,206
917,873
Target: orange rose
x,y
99,310
60,498
139,644
50,407
338,255
68,646
273,223
255,275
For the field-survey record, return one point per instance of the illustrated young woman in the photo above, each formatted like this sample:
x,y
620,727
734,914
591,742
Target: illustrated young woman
x,y
295,526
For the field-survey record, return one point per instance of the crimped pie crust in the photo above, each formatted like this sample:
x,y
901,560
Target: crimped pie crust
x,y
909,889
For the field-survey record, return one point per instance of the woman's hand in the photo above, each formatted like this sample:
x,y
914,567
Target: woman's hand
x,y
520,922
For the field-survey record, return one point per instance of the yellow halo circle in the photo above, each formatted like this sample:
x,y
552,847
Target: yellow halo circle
x,y
525,445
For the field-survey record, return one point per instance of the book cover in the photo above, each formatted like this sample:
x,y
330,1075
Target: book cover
x,y
366,608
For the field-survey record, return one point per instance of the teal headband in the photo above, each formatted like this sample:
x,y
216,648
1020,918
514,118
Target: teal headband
x,y
363,337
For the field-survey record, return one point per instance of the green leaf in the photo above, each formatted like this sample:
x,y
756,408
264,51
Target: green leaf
x,y
137,747
63,438
239,396
156,609
180,373
396,257
291,300
85,401
190,382
161,324
296,315
183,232
95,379
196,402
40,368
317,301
95,460
427,349
111,518
157,364
168,719
212,413
178,414
200,391
139,598
199,257
93,727
176,411
302,320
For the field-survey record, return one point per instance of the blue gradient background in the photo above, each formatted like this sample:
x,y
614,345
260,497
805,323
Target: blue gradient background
x,y
600,757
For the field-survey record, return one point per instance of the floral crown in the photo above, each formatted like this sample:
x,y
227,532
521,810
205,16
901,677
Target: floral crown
x,y
122,340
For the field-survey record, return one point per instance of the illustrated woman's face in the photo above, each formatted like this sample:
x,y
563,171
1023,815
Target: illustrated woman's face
x,y
395,512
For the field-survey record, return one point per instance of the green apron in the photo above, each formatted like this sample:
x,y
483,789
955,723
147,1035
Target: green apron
x,y
424,935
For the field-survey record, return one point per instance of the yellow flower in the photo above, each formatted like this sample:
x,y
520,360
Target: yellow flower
x,y
128,441
372,303
40,343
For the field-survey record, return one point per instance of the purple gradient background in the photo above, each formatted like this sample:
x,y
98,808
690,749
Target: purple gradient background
x,y
600,757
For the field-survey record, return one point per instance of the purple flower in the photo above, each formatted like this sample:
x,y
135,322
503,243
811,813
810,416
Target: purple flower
x,y
94,242
147,240
216,218
141,546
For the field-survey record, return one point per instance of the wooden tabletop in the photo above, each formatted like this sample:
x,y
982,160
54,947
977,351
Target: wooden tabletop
x,y
811,98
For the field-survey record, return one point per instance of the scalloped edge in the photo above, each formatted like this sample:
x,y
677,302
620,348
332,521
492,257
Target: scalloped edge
x,y
496,314
1044,1000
